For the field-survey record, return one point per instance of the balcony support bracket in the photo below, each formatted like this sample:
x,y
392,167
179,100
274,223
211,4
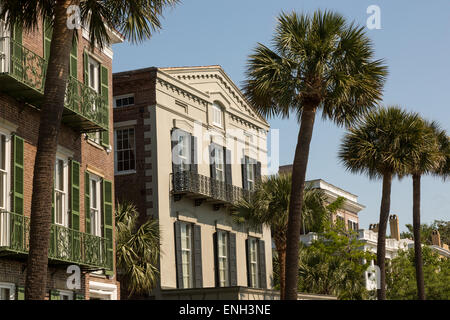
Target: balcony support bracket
x,y
198,202
217,206
177,197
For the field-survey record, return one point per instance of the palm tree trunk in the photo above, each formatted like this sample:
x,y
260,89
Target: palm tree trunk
x,y
50,119
417,242
295,205
381,246
282,271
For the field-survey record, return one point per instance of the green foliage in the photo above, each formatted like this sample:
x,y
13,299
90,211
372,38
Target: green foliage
x,y
401,276
138,248
317,60
426,229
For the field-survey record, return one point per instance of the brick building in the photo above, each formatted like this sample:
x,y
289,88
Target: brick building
x,y
82,232
188,147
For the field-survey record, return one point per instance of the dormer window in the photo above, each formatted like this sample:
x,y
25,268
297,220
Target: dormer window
x,y
217,115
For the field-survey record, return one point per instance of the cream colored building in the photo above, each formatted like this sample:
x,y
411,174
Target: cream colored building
x,y
188,147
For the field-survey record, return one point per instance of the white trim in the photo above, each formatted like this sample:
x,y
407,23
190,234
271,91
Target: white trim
x,y
8,138
103,289
65,293
184,218
11,287
9,126
128,123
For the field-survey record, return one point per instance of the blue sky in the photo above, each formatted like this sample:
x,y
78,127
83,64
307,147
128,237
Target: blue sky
x,y
414,41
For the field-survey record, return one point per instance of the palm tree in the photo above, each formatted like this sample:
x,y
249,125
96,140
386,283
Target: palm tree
x,y
318,62
269,205
136,20
383,145
430,159
137,250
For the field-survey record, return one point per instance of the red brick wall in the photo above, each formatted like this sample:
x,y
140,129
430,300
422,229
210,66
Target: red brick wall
x,y
27,118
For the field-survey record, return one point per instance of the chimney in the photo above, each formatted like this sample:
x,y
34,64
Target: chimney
x,y
395,230
374,227
436,238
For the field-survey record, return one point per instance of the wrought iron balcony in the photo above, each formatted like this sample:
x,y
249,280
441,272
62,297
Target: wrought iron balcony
x,y
22,75
201,187
66,245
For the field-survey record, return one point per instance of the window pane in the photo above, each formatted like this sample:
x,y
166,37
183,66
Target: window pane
x,y
5,293
2,152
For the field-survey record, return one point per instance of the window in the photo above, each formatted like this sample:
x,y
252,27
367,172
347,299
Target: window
x,y
124,101
7,291
352,225
60,197
65,295
3,172
94,74
222,257
183,151
250,175
186,255
125,150
217,115
219,166
253,262
95,206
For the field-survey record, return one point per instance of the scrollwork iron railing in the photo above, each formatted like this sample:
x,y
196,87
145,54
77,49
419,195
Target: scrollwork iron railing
x,y
191,182
66,244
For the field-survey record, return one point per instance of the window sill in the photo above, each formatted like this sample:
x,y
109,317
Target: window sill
x,y
123,173
95,144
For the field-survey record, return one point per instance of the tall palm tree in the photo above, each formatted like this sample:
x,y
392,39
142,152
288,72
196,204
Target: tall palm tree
x,y
383,145
136,20
430,159
269,205
138,248
318,62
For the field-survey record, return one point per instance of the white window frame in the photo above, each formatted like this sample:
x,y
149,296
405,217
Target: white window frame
x,y
219,163
4,47
6,172
64,193
96,213
223,257
217,115
96,77
184,152
102,291
186,232
11,287
116,158
253,263
250,167
65,293
124,96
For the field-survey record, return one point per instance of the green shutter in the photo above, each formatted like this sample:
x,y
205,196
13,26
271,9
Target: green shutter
x,y
17,62
104,89
79,296
54,295
18,174
108,224
48,32
86,67
87,202
20,293
75,192
74,59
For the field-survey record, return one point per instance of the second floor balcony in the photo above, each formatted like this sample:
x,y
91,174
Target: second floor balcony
x,y
67,246
202,188
22,75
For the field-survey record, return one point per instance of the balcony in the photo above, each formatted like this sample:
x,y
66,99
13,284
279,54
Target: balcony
x,y
67,246
22,75
202,188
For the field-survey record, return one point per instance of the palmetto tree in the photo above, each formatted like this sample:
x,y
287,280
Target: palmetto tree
x,y
138,248
383,145
269,205
430,160
317,62
136,20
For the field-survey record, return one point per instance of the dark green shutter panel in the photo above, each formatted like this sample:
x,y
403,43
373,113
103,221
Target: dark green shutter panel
x,y
17,54
54,295
198,273
87,203
74,59
228,172
86,67
232,258
178,257
20,293
48,32
19,145
247,254
258,172
212,151
244,173
108,225
216,259
79,296
104,90
194,160
262,264
175,159
75,208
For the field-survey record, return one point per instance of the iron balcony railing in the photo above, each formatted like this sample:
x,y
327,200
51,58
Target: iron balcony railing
x,y
66,245
28,69
191,182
